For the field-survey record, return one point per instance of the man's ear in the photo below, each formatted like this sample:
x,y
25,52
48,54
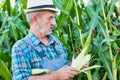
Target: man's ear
x,y
34,19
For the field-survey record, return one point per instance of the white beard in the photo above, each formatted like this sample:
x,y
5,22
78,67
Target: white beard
x,y
47,32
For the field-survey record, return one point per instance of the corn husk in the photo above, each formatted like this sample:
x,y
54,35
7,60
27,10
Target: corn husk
x,y
81,60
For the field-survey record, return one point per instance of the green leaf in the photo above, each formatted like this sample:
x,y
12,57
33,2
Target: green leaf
x,y
106,64
5,19
8,7
20,26
59,6
24,2
14,30
112,6
15,9
4,72
118,60
101,24
5,33
6,58
63,17
87,43
65,38
107,40
92,13
1,19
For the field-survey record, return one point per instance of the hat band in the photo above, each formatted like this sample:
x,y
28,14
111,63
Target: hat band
x,y
42,6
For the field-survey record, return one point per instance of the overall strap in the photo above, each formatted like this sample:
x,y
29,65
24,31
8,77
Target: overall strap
x,y
56,51
32,47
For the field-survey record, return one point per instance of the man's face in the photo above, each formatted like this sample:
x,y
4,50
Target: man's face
x,y
46,22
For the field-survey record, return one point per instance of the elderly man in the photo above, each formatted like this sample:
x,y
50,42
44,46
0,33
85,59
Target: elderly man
x,y
39,49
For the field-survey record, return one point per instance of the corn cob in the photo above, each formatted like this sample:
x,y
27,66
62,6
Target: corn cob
x,y
81,60
40,71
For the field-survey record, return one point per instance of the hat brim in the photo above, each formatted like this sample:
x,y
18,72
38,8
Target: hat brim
x,y
40,9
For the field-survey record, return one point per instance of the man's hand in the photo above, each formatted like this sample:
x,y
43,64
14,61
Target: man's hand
x,y
66,73
62,74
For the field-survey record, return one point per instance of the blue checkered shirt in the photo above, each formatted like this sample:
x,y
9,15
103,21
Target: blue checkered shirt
x,y
29,53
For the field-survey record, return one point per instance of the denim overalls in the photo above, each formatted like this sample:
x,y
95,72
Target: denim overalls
x,y
52,65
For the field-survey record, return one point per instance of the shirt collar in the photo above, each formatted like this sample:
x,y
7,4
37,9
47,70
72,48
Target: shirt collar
x,y
36,40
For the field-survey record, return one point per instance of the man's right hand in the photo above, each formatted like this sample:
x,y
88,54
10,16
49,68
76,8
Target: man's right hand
x,y
66,73
62,74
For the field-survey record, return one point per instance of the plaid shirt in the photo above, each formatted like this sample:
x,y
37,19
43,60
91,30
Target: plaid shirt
x,y
30,52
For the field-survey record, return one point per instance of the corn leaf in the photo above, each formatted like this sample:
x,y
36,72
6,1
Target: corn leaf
x,y
88,68
4,72
88,41
112,6
6,58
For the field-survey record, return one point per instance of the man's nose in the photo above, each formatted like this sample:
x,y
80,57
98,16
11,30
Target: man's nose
x,y
53,22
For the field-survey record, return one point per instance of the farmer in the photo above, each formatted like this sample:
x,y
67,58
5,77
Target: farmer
x,y
39,49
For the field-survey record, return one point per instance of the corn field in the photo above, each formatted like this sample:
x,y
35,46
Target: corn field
x,y
75,22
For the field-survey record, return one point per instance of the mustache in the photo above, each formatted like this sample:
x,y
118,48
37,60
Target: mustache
x,y
49,27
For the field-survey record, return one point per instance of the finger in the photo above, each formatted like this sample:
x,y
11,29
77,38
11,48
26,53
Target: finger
x,y
74,69
72,74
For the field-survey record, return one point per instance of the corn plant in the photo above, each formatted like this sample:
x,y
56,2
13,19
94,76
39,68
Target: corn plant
x,y
74,23
102,18
13,26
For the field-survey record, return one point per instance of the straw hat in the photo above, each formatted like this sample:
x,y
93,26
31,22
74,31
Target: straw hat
x,y
35,5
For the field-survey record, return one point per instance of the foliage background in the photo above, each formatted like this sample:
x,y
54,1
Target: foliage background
x,y
74,24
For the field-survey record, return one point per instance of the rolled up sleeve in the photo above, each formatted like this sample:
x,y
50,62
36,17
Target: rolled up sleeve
x,y
21,68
